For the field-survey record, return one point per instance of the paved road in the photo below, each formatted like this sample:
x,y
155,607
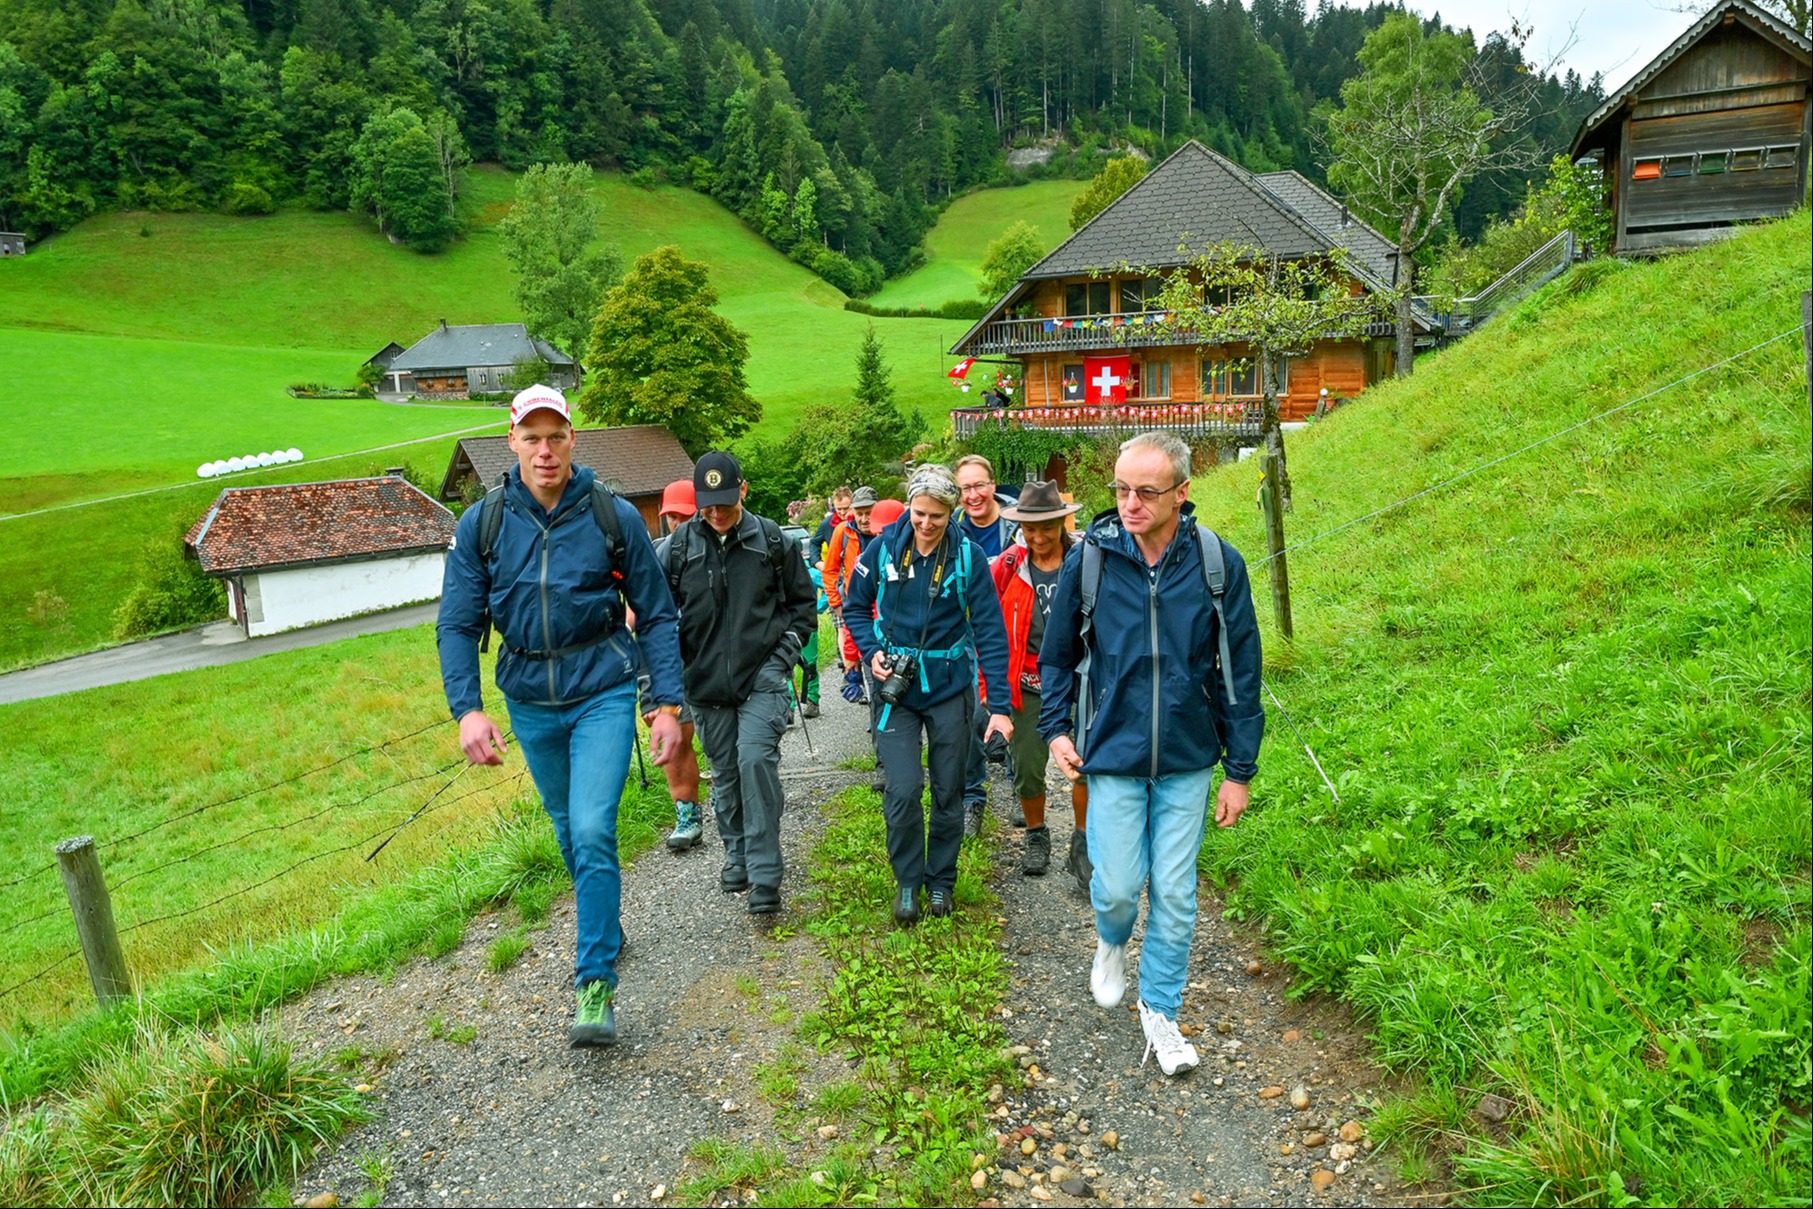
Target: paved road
x,y
207,646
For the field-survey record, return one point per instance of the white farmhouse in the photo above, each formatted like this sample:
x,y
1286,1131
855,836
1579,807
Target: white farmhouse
x,y
303,553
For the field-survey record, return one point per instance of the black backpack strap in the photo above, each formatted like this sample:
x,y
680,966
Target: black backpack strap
x,y
1215,578
604,511
678,543
490,521
1089,580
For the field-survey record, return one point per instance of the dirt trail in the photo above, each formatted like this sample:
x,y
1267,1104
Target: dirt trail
x,y
477,1100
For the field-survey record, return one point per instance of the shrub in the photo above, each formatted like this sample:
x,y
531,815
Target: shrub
x,y
645,178
243,198
171,592
962,308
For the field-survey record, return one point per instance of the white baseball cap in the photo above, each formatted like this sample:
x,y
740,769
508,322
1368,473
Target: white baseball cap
x,y
536,398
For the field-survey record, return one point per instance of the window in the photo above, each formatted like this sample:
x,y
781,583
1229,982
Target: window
x,y
1677,165
1243,378
1151,380
1134,291
1712,163
1073,384
1214,379
1783,156
1238,378
1746,159
1646,170
1087,298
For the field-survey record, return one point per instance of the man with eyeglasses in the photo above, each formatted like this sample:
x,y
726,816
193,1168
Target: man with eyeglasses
x,y
982,521
1158,644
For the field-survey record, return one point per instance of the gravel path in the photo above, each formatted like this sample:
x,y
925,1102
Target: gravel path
x,y
478,1101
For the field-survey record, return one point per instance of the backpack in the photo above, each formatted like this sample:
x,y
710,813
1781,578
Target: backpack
x,y
678,554
1214,578
491,522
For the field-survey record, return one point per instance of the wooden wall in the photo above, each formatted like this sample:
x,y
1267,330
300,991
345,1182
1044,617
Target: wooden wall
x,y
1339,365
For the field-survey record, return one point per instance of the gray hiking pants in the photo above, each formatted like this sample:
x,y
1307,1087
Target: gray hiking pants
x,y
743,743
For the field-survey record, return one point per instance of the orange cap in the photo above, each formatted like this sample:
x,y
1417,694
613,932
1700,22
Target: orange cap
x,y
677,499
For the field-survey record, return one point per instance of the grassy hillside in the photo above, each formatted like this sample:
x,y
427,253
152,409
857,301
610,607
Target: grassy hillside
x,y
955,247
1566,703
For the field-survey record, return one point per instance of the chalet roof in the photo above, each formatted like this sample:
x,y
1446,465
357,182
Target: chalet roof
x,y
1334,220
298,524
384,356
1194,193
638,459
464,345
1765,25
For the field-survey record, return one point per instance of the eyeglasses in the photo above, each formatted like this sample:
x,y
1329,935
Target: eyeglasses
x,y
1146,495
975,488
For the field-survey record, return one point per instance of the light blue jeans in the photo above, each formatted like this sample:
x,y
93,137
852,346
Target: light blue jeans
x,y
579,755
1144,835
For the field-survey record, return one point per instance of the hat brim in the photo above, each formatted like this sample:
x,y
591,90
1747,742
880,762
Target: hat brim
x,y
719,498
1057,514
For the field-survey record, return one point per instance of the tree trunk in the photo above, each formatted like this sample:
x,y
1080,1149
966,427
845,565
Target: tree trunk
x,y
1406,333
1271,429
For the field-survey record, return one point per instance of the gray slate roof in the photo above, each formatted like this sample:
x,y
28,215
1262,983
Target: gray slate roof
x,y
1334,220
462,346
1196,195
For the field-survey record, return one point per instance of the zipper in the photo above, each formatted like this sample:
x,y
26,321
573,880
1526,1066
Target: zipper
x,y
1153,576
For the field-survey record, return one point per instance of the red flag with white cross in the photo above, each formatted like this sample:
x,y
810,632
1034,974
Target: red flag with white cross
x,y
1105,378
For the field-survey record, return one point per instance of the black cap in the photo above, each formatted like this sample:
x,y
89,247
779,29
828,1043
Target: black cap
x,y
717,480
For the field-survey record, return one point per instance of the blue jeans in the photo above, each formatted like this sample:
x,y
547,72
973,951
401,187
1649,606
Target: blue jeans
x,y
579,755
1145,835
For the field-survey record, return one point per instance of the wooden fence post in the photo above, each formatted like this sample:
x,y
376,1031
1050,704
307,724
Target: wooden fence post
x,y
90,903
1806,334
1274,540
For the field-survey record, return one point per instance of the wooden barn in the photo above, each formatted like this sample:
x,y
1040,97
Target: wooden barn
x,y
637,461
1712,133
1081,302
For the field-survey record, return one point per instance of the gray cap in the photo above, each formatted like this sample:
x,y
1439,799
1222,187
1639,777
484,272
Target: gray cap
x,y
864,497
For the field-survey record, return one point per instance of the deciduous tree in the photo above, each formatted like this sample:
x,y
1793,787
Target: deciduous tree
x,y
1115,178
1016,249
551,239
661,355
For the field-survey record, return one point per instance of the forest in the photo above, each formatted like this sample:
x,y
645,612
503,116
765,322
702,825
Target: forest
x,y
836,128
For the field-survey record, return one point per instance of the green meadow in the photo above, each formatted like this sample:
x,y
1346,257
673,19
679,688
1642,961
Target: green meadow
x,y
1565,704
955,247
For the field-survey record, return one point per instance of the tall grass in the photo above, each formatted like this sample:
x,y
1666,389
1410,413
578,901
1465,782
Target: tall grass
x,y
1566,703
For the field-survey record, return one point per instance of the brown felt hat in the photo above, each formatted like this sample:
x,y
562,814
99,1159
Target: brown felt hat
x,y
1040,502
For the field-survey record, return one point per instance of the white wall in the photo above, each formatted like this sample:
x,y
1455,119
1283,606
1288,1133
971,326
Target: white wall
x,y
286,600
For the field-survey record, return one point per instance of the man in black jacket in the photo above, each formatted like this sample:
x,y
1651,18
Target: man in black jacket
x,y
747,607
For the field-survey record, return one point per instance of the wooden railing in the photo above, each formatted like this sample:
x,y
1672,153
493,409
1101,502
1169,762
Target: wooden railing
x,y
1236,422
1094,332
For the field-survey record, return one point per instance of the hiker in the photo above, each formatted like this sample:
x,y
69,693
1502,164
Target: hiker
x,y
746,610
847,543
807,695
924,614
551,558
682,771
983,522
839,513
1025,575
1152,622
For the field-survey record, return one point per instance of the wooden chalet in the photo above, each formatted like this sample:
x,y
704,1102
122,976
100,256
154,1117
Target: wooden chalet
x,y
636,461
1080,302
1712,133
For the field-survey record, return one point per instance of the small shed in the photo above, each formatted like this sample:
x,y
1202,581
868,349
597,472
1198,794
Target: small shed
x,y
12,243
456,360
300,554
635,461
1711,134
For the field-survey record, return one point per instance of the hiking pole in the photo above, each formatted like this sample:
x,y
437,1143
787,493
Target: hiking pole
x,y
641,768
801,710
1305,742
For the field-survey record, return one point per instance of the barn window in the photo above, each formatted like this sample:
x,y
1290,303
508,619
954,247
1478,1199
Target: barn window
x,y
1746,159
1086,298
1677,165
1783,156
1713,162
1646,170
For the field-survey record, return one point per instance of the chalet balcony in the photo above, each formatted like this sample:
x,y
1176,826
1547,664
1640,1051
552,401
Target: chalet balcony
x,y
1235,422
1016,337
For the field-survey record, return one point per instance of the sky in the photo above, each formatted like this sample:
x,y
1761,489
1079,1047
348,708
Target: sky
x,y
1616,37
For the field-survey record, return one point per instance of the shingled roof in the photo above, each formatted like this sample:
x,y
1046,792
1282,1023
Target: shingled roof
x,y
462,346
638,459
301,524
1334,220
1196,195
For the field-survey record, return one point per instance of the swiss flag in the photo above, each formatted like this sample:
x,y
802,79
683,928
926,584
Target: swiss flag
x,y
959,370
1105,378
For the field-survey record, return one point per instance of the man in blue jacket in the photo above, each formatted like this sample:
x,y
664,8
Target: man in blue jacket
x,y
553,574
1158,647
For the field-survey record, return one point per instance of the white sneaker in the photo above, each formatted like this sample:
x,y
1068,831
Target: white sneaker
x,y
1163,1039
1108,978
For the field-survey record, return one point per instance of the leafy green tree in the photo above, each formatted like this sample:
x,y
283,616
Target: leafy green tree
x,y
1115,178
855,440
171,592
1010,254
398,178
660,354
549,239
48,202
1410,132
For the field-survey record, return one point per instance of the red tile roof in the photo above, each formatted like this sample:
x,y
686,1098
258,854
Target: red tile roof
x,y
264,528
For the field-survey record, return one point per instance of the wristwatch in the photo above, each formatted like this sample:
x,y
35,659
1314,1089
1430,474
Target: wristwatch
x,y
672,711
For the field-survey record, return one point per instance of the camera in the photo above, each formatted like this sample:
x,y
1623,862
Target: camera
x,y
900,668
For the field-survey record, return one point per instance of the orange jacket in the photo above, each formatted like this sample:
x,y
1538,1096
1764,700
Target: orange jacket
x,y
841,552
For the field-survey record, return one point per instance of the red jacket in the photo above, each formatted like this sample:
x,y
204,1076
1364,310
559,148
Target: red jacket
x,y
1015,587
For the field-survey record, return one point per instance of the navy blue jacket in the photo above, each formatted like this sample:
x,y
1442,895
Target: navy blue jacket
x,y
549,585
982,635
1155,660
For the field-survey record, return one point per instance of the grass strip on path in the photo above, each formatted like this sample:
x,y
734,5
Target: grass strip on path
x,y
915,1010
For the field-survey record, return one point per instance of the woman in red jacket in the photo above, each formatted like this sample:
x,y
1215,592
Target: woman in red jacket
x,y
1025,575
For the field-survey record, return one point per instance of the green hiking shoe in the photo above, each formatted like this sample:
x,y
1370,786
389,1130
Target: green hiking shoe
x,y
595,1023
688,827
